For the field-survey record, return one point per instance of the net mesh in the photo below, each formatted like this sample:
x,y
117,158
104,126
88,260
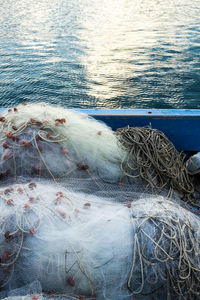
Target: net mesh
x,y
50,231
41,140
82,214
33,291
166,249
69,242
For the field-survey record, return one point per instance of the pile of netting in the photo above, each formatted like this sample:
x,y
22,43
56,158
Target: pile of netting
x,y
79,218
33,291
41,140
70,243
58,238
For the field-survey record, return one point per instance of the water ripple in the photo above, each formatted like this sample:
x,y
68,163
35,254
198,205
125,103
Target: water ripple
x,y
103,53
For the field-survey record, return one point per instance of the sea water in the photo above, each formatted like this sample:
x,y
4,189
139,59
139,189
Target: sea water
x,y
100,53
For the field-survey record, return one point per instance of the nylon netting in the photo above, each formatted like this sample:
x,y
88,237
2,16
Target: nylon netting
x,y
40,140
75,225
93,246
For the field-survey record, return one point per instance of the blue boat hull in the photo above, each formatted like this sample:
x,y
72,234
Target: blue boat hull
x,y
182,127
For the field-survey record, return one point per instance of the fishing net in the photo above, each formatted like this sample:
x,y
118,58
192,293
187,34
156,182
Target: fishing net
x,y
78,218
69,147
82,245
47,297
50,235
41,140
166,249
152,157
33,291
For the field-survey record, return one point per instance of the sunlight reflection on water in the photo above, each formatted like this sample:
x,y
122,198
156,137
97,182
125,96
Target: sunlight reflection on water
x,y
114,54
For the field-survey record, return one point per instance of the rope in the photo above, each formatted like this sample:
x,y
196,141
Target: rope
x,y
173,253
152,157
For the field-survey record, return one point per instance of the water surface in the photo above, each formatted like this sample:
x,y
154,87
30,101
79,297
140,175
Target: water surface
x,y
95,53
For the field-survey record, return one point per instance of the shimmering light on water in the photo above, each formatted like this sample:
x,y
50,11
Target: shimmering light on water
x,y
96,53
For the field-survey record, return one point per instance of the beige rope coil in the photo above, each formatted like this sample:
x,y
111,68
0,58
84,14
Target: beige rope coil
x,y
152,157
171,253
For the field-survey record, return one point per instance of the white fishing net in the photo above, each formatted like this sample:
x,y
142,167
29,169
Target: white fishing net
x,y
80,244
46,297
166,250
38,139
77,220
51,231
72,148
33,291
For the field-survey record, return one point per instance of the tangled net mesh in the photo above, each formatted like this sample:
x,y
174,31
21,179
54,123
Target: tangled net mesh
x,y
33,291
74,238
49,231
62,235
41,140
166,245
153,157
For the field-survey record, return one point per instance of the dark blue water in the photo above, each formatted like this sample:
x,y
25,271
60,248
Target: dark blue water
x,y
96,53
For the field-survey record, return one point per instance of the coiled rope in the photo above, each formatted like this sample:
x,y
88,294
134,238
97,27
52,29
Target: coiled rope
x,y
153,157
